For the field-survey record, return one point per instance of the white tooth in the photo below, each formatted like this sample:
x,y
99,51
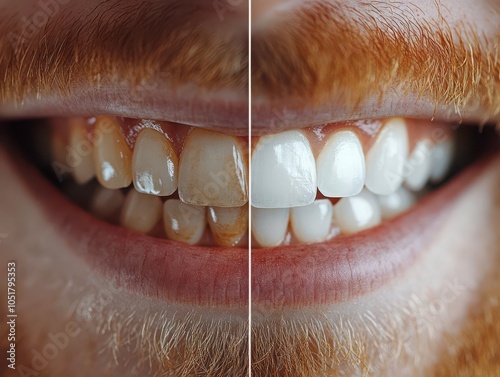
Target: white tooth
x,y
82,151
357,212
386,158
283,171
141,212
212,170
269,225
419,165
442,157
105,203
312,223
341,166
184,222
228,225
396,203
154,164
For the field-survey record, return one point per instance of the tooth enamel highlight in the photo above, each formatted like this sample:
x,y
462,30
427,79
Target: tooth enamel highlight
x,y
357,212
228,225
112,155
283,171
269,225
141,212
184,222
82,151
312,223
341,166
212,170
386,158
106,203
396,203
442,157
154,164
419,165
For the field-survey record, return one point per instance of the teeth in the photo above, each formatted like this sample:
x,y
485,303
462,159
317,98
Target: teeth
x,y
283,171
112,155
81,149
396,203
228,225
420,165
312,223
357,213
386,158
141,212
154,164
106,203
269,225
212,170
341,166
184,222
442,158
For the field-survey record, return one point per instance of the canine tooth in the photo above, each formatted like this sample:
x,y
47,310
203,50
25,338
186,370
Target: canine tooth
x,y
341,166
141,212
154,164
396,203
419,165
184,222
112,155
312,223
442,157
212,170
386,158
283,171
81,148
269,225
105,203
228,225
357,213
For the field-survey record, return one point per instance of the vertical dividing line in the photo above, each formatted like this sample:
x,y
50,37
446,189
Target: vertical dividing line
x,y
249,188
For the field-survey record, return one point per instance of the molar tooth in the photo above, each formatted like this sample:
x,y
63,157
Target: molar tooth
x,y
396,203
419,164
112,155
341,166
357,212
81,148
154,164
312,223
442,157
184,222
269,225
105,203
141,212
212,170
228,225
386,158
283,171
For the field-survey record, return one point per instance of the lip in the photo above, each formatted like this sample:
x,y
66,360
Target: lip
x,y
153,267
351,266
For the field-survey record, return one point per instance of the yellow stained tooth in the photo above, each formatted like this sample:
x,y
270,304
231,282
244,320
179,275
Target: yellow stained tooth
x,y
212,170
82,150
184,222
141,212
112,155
228,225
154,164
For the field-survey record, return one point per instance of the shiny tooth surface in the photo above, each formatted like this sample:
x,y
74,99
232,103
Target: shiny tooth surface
x,y
312,223
154,164
81,150
419,165
228,225
386,158
341,165
283,171
106,203
212,170
184,222
112,155
269,225
442,157
356,213
141,212
396,203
